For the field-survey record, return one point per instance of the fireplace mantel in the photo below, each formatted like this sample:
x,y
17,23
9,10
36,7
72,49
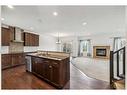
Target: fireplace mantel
x,y
101,52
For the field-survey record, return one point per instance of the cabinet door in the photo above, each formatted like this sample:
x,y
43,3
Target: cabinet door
x,y
18,59
5,60
5,33
33,65
21,58
55,72
47,70
15,59
37,65
27,39
36,40
31,39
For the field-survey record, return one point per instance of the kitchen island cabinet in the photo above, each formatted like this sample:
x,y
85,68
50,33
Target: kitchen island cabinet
x,y
54,71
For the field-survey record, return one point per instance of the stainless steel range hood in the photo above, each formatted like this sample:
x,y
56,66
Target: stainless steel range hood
x,y
17,35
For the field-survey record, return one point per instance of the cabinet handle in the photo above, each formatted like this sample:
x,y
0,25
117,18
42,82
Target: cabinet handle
x,y
46,61
55,63
50,66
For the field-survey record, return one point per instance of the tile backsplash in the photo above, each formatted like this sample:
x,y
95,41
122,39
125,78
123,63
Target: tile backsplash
x,y
16,47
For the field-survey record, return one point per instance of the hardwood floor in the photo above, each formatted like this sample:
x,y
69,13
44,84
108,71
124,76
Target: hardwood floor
x,y
18,78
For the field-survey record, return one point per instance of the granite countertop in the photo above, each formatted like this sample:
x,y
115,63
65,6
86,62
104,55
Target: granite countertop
x,y
18,52
48,56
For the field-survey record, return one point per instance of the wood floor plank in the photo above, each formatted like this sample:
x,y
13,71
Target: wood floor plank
x,y
18,78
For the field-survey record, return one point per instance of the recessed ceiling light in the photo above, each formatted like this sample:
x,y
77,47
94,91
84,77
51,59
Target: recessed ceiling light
x,y
10,6
84,23
55,13
31,28
2,19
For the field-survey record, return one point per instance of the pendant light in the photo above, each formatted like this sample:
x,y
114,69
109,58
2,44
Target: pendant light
x,y
58,40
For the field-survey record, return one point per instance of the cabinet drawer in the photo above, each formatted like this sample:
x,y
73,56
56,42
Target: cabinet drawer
x,y
55,64
37,60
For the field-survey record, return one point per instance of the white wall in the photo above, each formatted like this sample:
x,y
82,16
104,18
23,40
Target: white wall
x,y
99,40
74,41
96,40
47,42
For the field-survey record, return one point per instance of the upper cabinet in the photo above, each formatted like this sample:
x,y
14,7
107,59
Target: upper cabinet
x,y
6,35
31,39
15,34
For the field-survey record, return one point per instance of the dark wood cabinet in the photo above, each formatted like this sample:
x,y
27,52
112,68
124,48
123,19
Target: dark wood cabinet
x,y
10,60
6,36
54,71
31,39
17,59
6,60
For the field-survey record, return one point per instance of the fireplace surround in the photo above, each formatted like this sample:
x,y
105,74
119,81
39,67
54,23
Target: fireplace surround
x,y
101,52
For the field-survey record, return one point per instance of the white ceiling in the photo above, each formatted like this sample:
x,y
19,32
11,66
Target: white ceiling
x,y
100,19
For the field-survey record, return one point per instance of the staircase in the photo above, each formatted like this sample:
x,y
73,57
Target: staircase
x,y
117,78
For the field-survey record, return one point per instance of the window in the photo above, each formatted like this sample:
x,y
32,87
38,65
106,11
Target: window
x,y
67,47
119,43
85,48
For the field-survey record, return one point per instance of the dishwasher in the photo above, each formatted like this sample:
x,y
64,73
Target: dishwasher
x,y
28,64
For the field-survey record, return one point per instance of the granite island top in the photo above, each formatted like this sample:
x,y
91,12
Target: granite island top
x,y
48,56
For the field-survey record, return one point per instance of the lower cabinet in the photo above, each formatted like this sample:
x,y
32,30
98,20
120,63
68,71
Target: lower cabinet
x,y
6,61
52,71
10,60
18,59
55,72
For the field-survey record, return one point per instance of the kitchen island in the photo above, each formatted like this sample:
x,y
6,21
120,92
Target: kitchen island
x,y
53,67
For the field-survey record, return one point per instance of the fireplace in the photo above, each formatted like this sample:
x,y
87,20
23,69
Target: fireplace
x,y
101,52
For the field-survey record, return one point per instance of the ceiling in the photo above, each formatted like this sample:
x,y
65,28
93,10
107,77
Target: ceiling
x,y
68,22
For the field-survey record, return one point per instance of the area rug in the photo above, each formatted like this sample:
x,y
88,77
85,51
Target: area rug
x,y
94,68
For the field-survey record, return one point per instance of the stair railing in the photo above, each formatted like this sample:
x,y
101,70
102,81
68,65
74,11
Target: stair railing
x,y
112,78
